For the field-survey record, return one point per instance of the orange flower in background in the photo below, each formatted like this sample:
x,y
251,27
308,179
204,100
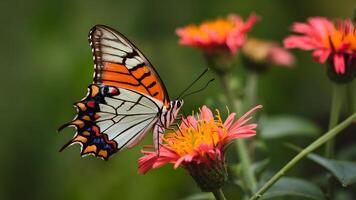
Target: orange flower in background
x,y
333,41
199,146
217,35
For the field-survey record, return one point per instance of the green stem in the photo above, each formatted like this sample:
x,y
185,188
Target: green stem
x,y
218,194
251,90
351,97
317,143
336,103
242,152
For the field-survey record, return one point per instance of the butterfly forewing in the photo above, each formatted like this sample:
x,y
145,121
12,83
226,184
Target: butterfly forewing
x,y
119,63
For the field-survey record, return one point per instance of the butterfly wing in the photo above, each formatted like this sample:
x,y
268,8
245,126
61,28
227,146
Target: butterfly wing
x,y
119,63
110,119
124,101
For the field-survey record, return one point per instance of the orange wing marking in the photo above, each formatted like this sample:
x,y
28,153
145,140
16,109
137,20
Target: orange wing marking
x,y
139,79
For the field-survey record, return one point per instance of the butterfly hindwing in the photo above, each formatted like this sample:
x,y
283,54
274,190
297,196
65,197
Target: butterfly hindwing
x,y
110,119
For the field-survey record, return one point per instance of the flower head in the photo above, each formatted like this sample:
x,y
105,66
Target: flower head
x,y
219,35
262,52
199,146
331,41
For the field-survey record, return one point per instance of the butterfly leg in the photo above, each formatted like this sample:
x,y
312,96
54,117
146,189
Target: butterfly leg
x,y
158,131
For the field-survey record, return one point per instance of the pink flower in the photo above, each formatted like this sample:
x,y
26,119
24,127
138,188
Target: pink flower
x,y
279,56
220,35
199,145
328,40
267,52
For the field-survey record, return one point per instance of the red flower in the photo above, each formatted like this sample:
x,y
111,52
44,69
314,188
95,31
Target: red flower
x,y
217,35
199,146
336,41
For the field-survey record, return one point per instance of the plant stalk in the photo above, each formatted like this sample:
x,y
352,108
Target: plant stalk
x,y
242,152
251,90
316,144
336,103
218,194
351,97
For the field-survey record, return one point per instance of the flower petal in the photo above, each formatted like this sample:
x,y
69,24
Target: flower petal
x,y
229,120
206,114
280,56
321,55
339,63
242,120
301,42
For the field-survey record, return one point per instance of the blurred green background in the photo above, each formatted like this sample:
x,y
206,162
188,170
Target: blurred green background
x,y
47,64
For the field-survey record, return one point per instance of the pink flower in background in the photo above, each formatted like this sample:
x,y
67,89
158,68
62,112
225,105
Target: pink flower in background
x,y
280,56
217,35
328,40
267,52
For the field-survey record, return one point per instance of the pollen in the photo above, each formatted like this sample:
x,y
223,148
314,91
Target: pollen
x,y
189,138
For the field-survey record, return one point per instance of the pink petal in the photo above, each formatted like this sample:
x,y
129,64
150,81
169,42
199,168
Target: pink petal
x,y
252,19
188,122
146,162
302,28
280,56
237,37
234,42
321,26
229,120
241,120
339,63
186,158
321,55
151,159
241,134
206,114
301,42
239,128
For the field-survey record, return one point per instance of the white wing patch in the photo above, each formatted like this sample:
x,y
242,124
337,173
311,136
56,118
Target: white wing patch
x,y
108,46
127,117
112,58
132,62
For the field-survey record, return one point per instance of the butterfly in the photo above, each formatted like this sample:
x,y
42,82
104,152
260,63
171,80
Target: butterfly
x,y
125,101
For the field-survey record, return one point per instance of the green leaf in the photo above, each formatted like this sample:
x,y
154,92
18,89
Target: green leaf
x,y
289,186
287,125
344,171
260,166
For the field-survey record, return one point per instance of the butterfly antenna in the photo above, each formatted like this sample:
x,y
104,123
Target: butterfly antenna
x,y
187,88
201,89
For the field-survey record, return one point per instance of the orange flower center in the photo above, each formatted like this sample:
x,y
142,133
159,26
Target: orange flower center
x,y
341,40
188,139
220,28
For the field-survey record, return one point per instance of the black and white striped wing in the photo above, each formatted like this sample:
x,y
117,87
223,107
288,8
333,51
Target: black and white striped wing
x,y
111,119
127,117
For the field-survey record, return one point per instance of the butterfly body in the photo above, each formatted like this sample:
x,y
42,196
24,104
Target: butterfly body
x,y
126,100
